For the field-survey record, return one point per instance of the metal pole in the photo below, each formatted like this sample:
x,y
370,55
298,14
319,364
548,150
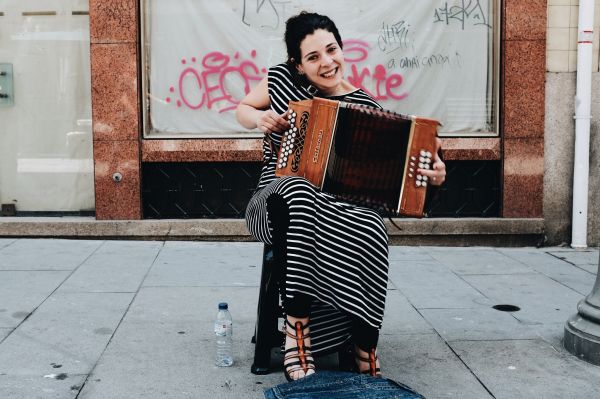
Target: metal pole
x,y
583,117
582,330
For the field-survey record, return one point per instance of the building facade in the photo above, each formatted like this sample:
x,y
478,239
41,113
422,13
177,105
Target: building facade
x,y
81,132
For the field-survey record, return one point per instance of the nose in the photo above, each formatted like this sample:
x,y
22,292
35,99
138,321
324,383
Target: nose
x,y
326,59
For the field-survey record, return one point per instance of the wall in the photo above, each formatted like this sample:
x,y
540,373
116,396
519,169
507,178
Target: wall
x,y
559,135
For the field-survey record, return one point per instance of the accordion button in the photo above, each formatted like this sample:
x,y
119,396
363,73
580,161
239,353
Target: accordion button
x,y
428,154
290,116
419,177
412,164
421,166
283,165
422,153
413,158
293,114
424,178
295,129
410,175
292,144
421,159
424,184
293,134
293,120
418,183
411,169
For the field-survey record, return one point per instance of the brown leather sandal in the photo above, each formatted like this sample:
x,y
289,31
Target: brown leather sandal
x,y
373,370
301,352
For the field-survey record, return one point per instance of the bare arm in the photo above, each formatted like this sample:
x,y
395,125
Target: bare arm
x,y
253,111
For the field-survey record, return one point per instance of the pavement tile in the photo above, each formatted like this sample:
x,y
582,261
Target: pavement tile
x,y
587,259
46,254
175,365
541,299
408,254
433,285
204,264
477,260
559,270
402,318
426,364
4,333
23,291
529,369
483,323
4,242
117,266
40,387
70,329
193,304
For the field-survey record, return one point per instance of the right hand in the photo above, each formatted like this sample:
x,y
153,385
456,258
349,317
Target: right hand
x,y
270,121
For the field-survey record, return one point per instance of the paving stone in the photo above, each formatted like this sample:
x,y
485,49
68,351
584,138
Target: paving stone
x,y
118,266
408,254
23,291
204,264
541,299
175,365
70,329
483,323
559,270
4,333
4,242
433,285
426,364
401,317
46,254
193,304
586,259
477,260
40,387
529,369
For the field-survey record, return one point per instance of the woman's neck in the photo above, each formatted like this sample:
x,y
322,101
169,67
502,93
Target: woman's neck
x,y
343,88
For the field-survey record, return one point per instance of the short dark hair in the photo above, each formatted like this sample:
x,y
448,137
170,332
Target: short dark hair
x,y
302,25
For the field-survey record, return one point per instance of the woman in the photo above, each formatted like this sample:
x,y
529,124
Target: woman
x,y
335,254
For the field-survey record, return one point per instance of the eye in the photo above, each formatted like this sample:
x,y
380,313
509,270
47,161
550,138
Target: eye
x,y
312,58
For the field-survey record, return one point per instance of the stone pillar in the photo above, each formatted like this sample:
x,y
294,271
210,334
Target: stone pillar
x,y
582,331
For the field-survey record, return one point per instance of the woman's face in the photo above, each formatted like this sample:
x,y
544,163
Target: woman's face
x,y
322,61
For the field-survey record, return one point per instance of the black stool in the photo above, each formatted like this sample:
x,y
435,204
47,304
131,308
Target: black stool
x,y
266,332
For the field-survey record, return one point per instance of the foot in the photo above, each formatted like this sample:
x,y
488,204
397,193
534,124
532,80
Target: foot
x,y
367,362
298,361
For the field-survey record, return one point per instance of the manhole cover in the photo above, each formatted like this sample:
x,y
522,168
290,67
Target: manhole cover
x,y
507,308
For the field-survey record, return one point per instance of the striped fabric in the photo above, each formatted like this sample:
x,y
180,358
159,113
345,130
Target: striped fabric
x,y
337,252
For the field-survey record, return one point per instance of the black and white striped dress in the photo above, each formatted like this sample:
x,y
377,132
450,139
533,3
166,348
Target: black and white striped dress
x,y
336,252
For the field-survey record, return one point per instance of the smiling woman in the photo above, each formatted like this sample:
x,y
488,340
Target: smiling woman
x,y
334,255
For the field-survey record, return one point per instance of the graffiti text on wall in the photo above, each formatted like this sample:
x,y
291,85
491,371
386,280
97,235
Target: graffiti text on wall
x,y
204,84
466,11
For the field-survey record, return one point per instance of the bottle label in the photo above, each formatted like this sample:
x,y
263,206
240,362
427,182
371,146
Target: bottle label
x,y
222,329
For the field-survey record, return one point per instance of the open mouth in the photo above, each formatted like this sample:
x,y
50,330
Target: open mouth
x,y
329,74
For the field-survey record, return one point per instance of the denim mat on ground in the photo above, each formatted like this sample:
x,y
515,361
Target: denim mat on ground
x,y
341,385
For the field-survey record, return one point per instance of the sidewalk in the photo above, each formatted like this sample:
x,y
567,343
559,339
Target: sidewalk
x,y
93,319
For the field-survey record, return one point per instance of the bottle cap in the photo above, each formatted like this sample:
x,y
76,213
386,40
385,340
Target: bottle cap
x,y
223,306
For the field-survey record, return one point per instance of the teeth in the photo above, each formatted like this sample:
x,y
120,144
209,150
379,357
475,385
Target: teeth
x,y
329,74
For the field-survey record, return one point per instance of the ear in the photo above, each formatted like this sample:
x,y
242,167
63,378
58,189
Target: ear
x,y
300,69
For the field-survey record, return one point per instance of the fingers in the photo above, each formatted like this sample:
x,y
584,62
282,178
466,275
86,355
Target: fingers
x,y
270,121
436,175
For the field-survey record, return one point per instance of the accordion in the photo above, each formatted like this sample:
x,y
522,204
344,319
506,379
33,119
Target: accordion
x,y
359,154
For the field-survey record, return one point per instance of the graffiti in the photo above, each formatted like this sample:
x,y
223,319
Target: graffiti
x,y
466,11
393,37
265,13
426,61
208,85
386,86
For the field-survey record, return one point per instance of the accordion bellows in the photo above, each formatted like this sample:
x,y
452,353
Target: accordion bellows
x,y
360,154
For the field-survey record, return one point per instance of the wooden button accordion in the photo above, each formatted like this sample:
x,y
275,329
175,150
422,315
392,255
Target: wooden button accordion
x,y
360,154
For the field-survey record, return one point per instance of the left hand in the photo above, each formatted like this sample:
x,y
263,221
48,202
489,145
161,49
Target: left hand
x,y
437,173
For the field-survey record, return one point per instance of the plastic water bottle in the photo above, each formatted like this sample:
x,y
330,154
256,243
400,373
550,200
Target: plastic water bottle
x,y
224,337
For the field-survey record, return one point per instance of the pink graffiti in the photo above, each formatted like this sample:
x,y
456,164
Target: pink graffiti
x,y
205,86
356,51
208,83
